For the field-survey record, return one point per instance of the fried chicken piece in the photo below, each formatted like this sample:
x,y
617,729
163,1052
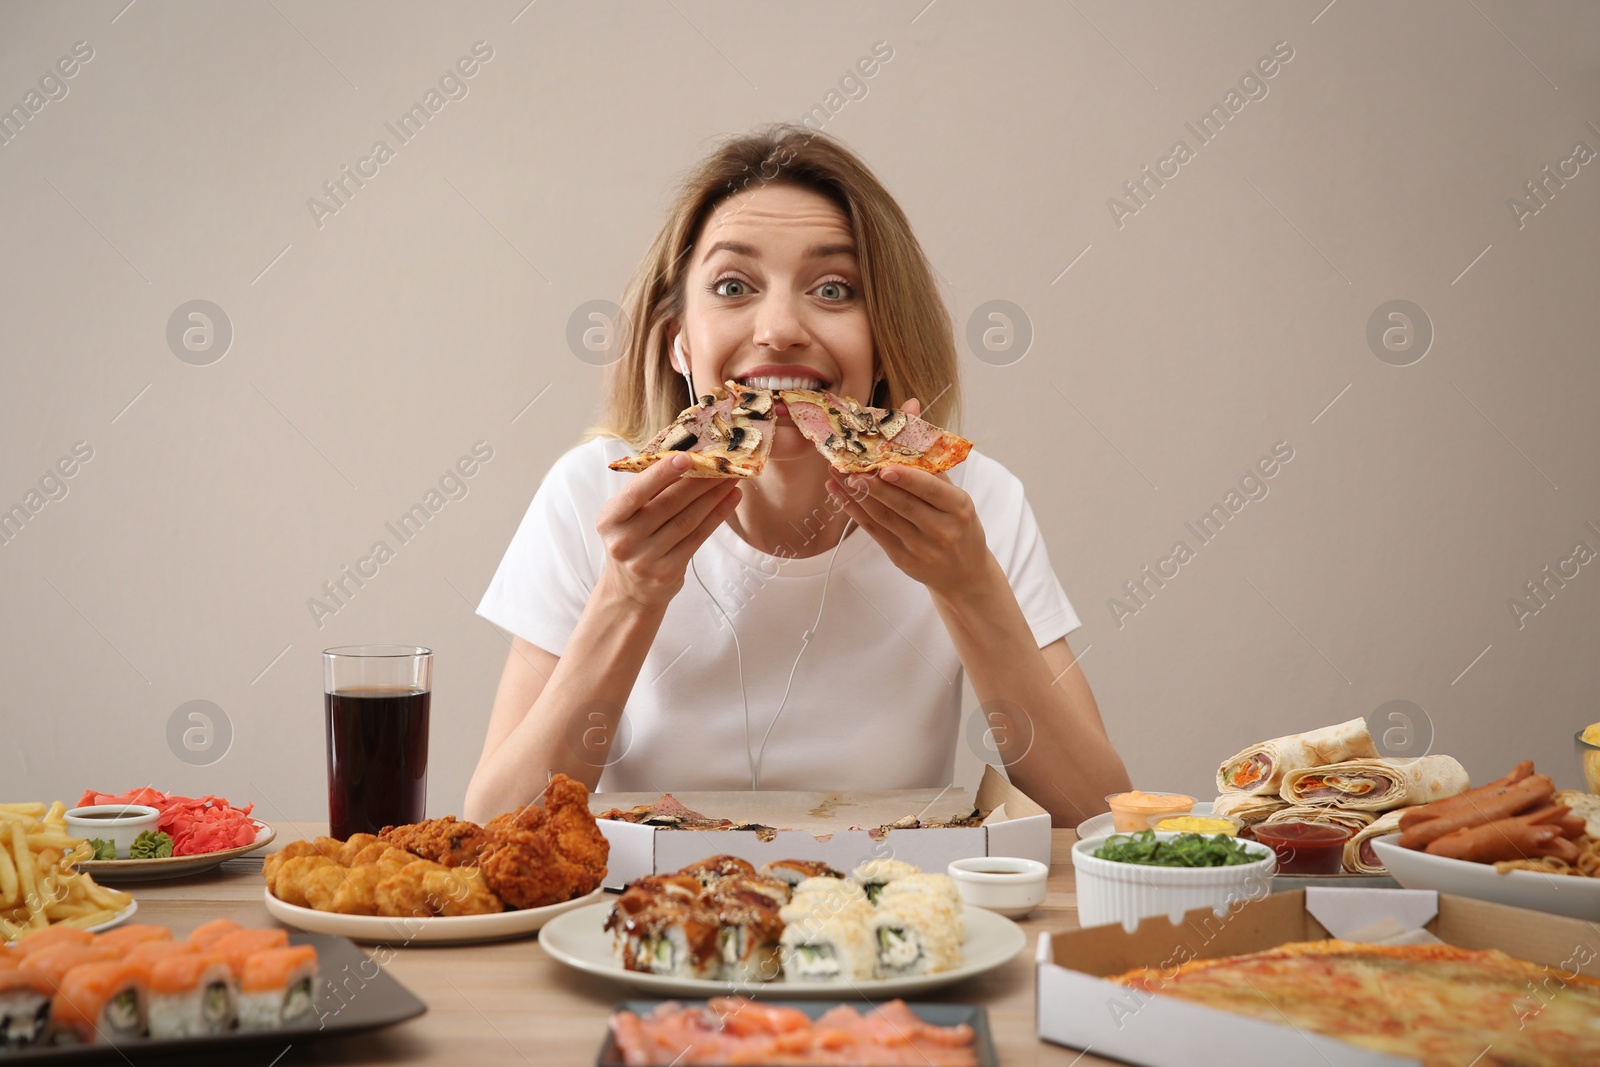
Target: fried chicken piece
x,y
450,841
546,855
345,890
288,882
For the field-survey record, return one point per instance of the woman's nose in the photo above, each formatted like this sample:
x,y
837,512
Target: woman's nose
x,y
778,324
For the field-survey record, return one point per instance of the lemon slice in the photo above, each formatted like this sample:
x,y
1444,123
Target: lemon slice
x,y
1591,734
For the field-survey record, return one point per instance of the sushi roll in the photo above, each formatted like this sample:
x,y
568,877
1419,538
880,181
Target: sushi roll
x,y
189,994
50,937
55,962
24,1005
242,944
827,945
278,988
126,937
748,928
937,886
915,933
796,871
661,925
99,1002
714,867
873,875
208,934
835,887
152,952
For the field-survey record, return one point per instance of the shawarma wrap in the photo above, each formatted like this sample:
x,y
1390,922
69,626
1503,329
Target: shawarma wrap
x,y
1262,768
1362,858
1378,784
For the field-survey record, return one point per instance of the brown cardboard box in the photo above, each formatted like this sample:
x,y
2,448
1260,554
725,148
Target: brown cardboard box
x,y
816,826
1077,1008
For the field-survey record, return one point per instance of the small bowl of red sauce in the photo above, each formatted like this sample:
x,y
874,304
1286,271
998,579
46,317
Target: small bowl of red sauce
x,y
1305,847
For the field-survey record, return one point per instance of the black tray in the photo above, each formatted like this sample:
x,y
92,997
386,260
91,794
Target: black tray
x,y
937,1014
354,994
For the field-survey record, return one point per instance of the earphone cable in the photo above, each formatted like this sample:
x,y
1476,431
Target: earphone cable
x,y
755,759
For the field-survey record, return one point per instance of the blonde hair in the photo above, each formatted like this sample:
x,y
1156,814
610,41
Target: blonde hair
x,y
911,331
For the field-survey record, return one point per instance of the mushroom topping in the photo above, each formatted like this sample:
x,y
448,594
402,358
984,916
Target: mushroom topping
x,y
858,421
756,403
743,439
678,439
892,423
706,400
717,429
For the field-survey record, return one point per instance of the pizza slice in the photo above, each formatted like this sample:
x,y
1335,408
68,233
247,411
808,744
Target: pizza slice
x,y
857,439
726,434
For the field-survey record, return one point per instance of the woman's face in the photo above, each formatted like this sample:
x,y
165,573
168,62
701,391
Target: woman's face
x,y
774,300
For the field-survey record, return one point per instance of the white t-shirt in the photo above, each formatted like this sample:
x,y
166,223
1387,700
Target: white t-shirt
x,y
876,702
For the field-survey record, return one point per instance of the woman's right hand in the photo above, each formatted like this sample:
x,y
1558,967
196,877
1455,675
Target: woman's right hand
x,y
653,527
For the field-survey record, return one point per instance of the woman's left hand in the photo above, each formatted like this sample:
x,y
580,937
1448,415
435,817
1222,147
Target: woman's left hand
x,y
926,524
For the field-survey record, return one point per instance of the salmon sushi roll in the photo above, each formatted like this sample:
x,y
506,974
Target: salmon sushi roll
x,y
99,1002
125,937
150,953
24,1005
51,936
189,995
242,944
54,963
208,934
278,988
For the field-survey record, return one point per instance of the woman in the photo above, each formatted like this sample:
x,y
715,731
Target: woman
x,y
783,264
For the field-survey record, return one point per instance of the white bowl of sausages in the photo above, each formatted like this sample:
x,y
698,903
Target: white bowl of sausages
x,y
1480,843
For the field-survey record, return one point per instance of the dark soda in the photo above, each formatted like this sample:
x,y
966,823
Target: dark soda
x,y
377,758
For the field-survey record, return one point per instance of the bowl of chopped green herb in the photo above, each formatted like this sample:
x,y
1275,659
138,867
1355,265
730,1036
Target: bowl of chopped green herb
x,y
1127,877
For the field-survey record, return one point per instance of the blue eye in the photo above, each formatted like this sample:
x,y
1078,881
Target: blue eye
x,y
719,285
841,290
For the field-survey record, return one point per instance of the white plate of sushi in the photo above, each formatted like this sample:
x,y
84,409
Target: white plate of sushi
x,y
579,939
419,930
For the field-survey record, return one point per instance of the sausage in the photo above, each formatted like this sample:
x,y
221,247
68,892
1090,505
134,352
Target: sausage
x,y
1505,839
1501,804
1450,805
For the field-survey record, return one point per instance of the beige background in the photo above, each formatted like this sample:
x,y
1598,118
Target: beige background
x,y
1229,313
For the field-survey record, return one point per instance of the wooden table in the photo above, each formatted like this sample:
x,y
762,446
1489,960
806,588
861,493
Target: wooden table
x,y
507,1003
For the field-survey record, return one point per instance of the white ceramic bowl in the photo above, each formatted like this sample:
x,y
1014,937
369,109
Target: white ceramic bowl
x,y
1113,892
1558,894
119,824
1009,885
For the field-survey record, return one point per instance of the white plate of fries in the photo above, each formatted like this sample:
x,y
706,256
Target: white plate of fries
x,y
40,885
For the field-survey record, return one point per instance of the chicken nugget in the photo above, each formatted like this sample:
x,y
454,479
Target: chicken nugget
x,y
344,890
288,885
352,847
402,893
292,851
459,891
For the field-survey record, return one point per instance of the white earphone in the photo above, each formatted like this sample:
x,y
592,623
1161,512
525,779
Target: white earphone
x,y
683,364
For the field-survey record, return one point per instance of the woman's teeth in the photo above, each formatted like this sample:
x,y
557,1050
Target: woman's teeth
x,y
768,382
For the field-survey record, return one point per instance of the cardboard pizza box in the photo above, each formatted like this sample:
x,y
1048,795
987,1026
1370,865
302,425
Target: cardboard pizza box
x,y
1078,1008
842,829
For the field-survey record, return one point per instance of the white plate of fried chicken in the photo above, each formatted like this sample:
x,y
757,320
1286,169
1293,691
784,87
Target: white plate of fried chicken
x,y
445,880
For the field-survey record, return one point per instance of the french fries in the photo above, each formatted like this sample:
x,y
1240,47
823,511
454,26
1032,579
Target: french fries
x,y
39,884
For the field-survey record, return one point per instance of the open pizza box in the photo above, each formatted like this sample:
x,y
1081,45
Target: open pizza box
x,y
842,829
1078,1008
